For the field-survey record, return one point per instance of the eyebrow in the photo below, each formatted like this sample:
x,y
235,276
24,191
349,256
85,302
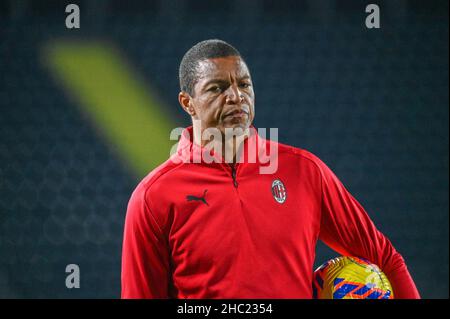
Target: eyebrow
x,y
222,81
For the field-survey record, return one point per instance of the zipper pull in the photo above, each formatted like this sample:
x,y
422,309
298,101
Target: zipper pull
x,y
233,174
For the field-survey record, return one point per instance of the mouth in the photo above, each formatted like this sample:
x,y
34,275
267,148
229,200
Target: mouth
x,y
237,113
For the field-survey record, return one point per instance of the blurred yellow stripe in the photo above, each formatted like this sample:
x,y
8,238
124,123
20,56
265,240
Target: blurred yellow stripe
x,y
118,101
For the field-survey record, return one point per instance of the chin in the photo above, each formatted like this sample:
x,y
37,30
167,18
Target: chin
x,y
237,128
242,125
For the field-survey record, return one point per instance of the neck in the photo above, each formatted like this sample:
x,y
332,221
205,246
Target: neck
x,y
230,145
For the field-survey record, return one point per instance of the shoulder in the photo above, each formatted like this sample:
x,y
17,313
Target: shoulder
x,y
302,156
161,172
159,175
310,165
144,199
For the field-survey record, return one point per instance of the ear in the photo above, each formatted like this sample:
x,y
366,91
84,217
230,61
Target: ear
x,y
185,101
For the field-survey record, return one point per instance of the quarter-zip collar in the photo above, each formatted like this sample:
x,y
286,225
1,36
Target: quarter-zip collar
x,y
190,152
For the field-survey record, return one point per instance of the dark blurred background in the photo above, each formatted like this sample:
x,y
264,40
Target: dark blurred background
x,y
371,103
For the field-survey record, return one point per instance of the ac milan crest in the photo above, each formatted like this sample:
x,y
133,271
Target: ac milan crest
x,y
279,191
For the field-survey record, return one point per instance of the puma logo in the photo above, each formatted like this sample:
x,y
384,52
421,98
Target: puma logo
x,y
190,198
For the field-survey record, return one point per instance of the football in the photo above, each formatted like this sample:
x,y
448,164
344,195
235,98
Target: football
x,y
350,278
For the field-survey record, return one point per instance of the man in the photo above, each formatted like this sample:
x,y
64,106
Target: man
x,y
223,229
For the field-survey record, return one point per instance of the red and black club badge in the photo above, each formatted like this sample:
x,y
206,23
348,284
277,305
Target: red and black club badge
x,y
279,191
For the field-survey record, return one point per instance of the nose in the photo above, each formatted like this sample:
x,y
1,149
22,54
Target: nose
x,y
234,95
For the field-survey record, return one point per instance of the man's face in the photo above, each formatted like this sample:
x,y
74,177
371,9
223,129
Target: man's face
x,y
223,95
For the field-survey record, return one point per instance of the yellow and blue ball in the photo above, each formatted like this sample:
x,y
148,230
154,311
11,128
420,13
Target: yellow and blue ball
x,y
350,278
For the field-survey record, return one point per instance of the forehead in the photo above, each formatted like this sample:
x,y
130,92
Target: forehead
x,y
222,68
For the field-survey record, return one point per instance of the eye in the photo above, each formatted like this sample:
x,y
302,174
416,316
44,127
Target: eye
x,y
215,89
244,85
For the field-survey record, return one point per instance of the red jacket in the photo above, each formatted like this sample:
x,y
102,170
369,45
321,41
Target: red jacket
x,y
198,230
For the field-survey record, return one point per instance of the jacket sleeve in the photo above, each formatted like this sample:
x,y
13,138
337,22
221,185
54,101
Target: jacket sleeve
x,y
145,261
347,229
